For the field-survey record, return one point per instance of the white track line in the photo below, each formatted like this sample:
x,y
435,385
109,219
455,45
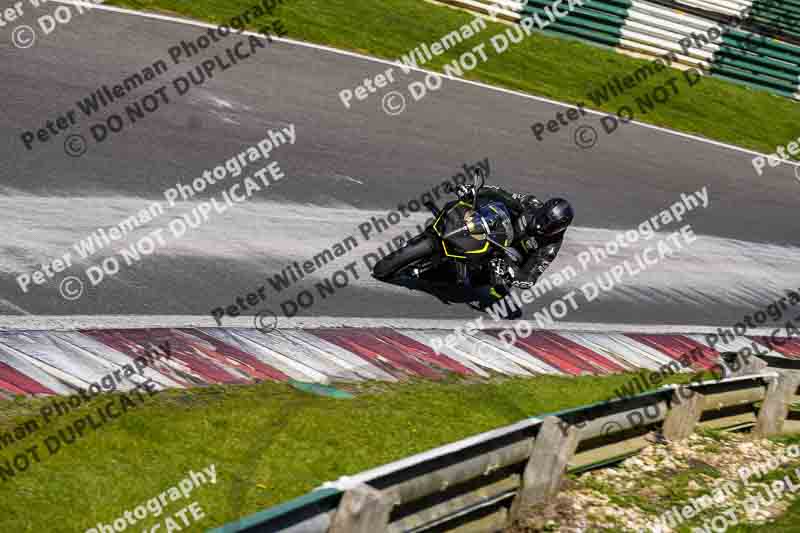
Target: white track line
x,y
199,24
72,322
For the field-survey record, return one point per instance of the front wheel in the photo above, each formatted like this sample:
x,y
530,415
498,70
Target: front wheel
x,y
404,257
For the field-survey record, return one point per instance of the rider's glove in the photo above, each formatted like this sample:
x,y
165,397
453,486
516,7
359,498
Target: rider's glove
x,y
465,192
501,274
528,201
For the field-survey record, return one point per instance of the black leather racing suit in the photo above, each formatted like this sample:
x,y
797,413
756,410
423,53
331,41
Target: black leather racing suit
x,y
538,252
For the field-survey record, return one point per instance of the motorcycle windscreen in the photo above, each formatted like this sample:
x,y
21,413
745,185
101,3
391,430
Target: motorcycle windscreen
x,y
465,230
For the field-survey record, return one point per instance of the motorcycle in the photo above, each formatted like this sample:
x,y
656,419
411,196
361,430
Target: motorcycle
x,y
463,236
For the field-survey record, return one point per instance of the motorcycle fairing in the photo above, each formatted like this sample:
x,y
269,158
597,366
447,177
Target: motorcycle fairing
x,y
465,229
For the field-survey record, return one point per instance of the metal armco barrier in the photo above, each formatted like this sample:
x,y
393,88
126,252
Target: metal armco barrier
x,y
483,482
762,50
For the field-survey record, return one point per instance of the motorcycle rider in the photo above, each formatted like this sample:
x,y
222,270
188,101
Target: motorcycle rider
x,y
539,229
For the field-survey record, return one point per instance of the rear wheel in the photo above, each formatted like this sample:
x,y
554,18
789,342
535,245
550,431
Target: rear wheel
x,y
406,256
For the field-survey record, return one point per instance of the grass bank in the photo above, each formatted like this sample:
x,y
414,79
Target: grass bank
x,y
269,443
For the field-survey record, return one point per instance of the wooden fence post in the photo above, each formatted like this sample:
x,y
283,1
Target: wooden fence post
x,y
362,510
775,409
684,414
553,449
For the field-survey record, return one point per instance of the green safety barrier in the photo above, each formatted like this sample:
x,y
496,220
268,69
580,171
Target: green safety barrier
x,y
286,514
743,57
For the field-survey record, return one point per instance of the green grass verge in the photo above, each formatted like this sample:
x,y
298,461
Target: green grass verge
x,y
269,442
789,520
542,65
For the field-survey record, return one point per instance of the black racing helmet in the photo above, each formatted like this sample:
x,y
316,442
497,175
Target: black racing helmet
x,y
551,219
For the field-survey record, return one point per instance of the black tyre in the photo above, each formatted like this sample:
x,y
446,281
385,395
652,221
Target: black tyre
x,y
409,254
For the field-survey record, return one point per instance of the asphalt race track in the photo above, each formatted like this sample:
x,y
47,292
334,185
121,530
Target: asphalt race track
x,y
346,166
